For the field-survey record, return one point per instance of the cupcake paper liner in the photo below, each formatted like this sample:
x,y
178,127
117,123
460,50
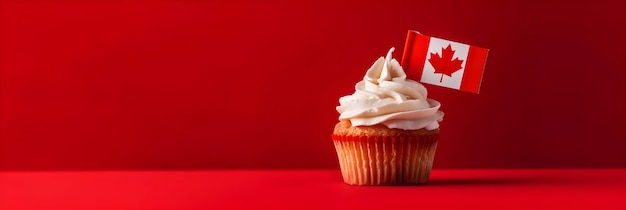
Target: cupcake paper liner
x,y
385,160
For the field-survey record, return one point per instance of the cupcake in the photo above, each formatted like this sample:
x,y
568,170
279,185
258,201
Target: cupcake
x,y
388,129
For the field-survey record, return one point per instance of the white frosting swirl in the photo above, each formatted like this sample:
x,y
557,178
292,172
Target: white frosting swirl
x,y
385,96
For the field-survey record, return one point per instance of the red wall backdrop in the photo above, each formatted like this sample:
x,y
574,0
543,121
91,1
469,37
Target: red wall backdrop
x,y
252,84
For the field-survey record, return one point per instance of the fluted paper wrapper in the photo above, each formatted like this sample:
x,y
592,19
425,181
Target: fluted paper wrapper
x,y
385,160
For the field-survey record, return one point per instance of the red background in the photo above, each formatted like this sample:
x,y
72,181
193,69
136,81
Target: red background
x,y
251,84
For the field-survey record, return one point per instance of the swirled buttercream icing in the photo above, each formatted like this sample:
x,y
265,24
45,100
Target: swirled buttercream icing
x,y
385,96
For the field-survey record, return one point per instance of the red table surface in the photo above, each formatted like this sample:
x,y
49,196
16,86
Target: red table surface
x,y
311,189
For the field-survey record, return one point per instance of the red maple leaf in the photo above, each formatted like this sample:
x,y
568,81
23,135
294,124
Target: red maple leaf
x,y
444,64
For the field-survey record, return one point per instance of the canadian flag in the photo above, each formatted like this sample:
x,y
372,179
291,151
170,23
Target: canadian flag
x,y
443,63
